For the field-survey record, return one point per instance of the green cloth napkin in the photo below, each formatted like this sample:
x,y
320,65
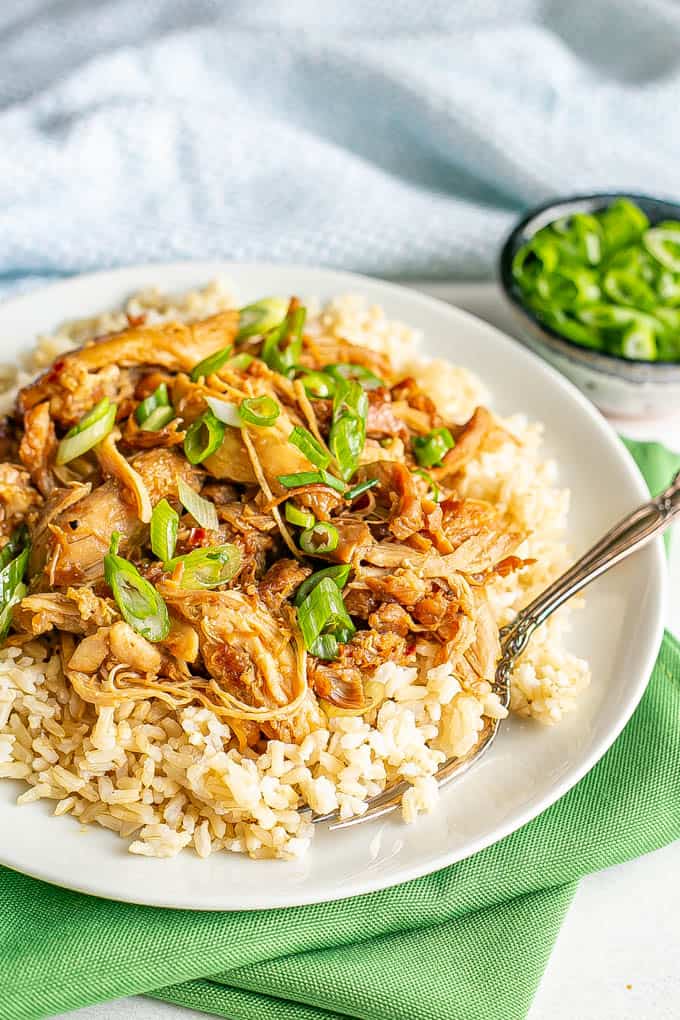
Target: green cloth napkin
x,y
467,943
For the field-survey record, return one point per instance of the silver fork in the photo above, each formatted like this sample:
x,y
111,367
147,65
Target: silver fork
x,y
633,532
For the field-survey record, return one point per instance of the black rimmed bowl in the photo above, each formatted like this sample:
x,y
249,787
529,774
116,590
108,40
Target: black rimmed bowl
x,y
616,384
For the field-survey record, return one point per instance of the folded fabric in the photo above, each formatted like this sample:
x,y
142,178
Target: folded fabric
x,y
392,138
467,943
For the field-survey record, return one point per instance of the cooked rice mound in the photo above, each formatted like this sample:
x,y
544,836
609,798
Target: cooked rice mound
x,y
166,777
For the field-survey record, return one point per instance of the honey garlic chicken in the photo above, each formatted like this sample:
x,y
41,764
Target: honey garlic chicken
x,y
241,514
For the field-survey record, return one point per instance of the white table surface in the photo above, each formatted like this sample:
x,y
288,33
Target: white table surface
x,y
616,957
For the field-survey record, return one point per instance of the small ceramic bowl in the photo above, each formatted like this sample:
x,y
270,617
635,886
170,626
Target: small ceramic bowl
x,y
617,385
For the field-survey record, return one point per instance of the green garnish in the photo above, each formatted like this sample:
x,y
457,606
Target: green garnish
x,y
140,604
301,518
359,489
348,428
282,345
13,562
321,538
158,399
89,431
207,568
369,380
203,437
164,527
606,280
261,316
311,478
213,363
323,612
339,574
202,510
431,449
318,385
262,411
309,446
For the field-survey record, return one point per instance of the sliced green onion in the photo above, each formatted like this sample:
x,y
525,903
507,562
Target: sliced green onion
x,y
318,385
325,647
622,222
348,428
164,528
282,346
580,237
311,478
369,380
203,437
625,288
94,427
207,568
13,561
570,285
262,411
360,489
158,419
202,510
607,316
431,449
320,539
339,574
159,398
140,604
240,362
638,342
225,411
434,488
261,316
323,612
605,280
301,518
664,245
12,547
6,612
213,363
309,446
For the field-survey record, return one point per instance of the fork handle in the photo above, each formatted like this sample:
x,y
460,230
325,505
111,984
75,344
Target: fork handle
x,y
632,532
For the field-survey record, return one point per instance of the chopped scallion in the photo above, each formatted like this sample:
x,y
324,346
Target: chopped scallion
x,y
323,612
320,477
207,568
140,604
321,538
348,428
94,427
301,518
339,574
431,449
261,316
213,363
159,398
164,528
203,437
309,446
360,489
262,411
202,510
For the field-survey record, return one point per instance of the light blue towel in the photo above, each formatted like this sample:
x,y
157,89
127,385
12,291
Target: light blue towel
x,y
395,137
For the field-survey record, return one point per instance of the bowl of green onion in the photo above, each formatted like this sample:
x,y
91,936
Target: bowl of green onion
x,y
595,282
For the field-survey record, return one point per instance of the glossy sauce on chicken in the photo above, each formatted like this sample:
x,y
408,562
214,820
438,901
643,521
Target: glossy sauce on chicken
x,y
246,515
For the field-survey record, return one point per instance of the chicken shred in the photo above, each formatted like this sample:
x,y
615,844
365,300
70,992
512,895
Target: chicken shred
x,y
419,563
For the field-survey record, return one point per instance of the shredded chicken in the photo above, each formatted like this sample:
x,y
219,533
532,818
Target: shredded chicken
x,y
418,561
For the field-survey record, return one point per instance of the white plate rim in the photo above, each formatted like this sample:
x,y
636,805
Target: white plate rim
x,y
124,276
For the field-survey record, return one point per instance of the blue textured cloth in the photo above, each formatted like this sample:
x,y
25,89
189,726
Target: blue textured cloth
x,y
396,138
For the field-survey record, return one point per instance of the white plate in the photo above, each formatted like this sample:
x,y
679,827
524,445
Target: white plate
x,y
528,768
